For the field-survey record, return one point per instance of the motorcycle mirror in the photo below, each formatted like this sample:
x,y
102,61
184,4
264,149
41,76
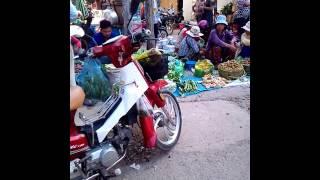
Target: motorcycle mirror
x,y
76,31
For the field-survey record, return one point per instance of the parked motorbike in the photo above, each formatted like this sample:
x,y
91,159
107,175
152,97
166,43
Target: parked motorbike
x,y
170,19
99,141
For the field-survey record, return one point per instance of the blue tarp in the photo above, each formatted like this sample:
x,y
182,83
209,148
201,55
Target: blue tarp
x,y
201,87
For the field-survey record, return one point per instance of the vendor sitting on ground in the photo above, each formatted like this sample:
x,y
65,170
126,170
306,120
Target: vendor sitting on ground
x,y
244,50
221,43
189,47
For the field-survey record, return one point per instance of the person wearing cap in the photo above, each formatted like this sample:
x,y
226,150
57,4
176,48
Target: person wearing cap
x,y
221,42
189,47
244,49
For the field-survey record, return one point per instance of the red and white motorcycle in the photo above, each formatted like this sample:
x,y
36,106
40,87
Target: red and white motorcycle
x,y
99,140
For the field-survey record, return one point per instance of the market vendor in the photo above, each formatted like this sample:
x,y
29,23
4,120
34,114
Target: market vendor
x,y
221,42
105,33
244,49
189,47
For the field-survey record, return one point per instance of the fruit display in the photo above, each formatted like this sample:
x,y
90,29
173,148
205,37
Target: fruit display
x,y
211,82
203,67
231,69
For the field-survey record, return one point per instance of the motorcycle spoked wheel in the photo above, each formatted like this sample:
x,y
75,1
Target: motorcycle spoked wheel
x,y
171,126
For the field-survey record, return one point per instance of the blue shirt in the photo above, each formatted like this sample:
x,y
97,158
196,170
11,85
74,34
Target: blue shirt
x,y
100,39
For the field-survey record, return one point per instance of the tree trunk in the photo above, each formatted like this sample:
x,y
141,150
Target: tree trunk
x,y
149,16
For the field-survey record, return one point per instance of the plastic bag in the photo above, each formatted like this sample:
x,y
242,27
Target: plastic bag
x,y
93,80
176,70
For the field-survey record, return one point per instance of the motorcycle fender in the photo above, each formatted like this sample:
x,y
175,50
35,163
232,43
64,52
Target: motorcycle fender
x,y
130,94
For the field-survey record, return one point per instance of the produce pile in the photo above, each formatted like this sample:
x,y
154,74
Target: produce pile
x,y
211,82
231,69
203,67
187,86
176,70
231,66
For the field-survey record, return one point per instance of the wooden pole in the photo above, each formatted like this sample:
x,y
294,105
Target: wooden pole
x,y
149,16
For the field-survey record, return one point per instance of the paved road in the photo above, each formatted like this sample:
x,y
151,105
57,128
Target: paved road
x,y
214,144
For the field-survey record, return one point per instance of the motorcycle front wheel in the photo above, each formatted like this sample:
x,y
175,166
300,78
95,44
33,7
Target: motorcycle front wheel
x,y
168,123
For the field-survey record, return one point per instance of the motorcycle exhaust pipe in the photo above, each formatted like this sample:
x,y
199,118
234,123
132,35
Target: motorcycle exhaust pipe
x,y
149,134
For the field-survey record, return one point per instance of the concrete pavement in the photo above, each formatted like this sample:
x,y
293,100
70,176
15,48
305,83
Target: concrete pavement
x,y
214,142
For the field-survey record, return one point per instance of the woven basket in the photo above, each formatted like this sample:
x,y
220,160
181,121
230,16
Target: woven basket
x,y
230,75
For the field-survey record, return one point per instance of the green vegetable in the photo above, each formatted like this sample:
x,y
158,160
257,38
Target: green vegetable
x,y
187,86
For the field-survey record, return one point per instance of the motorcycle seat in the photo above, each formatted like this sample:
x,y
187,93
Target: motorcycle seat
x,y
76,97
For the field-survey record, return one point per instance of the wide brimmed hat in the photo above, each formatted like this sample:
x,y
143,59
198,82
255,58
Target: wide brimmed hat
x,y
221,19
247,26
194,32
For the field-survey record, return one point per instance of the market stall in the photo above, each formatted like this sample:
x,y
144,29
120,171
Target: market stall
x,y
189,77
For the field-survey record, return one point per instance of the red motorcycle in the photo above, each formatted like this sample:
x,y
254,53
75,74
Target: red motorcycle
x,y
98,142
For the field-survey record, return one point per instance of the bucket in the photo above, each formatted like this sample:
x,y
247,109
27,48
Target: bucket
x,y
113,75
190,64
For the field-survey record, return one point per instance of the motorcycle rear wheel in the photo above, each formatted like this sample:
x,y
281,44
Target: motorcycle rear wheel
x,y
170,124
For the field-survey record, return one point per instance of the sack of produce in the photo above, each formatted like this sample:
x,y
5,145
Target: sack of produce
x,y
93,80
203,67
156,70
231,69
